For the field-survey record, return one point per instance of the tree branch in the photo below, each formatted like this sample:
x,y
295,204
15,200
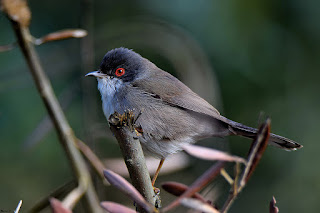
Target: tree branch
x,y
133,157
66,135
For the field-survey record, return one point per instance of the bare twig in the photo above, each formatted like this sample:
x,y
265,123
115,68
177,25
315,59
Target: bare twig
x,y
133,157
18,207
73,197
93,160
202,181
44,87
256,151
58,207
226,176
178,189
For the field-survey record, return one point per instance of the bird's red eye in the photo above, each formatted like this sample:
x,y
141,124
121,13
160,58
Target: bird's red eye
x,y
120,72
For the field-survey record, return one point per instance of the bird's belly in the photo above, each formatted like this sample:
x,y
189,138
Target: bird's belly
x,y
161,149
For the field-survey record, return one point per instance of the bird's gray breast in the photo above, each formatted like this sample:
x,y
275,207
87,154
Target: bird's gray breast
x,y
110,90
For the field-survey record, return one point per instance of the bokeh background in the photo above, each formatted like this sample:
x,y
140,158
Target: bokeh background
x,y
250,59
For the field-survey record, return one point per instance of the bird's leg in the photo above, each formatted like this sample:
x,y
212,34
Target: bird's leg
x,y
155,189
157,172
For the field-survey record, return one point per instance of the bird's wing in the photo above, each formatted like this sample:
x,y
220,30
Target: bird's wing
x,y
164,86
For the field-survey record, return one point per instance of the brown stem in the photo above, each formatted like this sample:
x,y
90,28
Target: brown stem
x,y
135,161
197,185
62,127
92,159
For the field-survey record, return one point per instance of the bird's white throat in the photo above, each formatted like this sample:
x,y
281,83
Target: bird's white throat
x,y
108,87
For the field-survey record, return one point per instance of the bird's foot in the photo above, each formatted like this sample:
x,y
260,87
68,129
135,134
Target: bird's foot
x,y
125,119
157,196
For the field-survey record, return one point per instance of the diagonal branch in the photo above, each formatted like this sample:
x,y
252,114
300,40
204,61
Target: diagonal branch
x,y
45,90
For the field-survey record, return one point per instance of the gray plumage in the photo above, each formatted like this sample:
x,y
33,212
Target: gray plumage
x,y
171,113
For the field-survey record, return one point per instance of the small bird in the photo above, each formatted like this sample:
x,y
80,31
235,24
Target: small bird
x,y
170,113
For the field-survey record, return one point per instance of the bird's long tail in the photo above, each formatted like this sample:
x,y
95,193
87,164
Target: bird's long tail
x,y
275,140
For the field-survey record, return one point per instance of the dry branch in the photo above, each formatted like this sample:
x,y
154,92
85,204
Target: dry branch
x,y
19,15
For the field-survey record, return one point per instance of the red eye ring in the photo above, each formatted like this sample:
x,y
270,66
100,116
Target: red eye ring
x,y
120,72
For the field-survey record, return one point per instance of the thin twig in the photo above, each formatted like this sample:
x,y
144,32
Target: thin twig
x,y
178,189
93,160
226,176
58,207
73,197
257,150
198,184
18,207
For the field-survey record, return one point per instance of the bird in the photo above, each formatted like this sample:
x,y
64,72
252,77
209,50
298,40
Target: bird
x,y
169,114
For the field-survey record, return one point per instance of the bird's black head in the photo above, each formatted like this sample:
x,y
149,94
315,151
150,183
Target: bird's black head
x,y
122,63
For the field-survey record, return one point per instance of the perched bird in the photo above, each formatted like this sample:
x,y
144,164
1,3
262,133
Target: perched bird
x,y
171,114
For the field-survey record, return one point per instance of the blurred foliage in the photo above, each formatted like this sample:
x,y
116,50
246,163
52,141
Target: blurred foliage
x,y
266,59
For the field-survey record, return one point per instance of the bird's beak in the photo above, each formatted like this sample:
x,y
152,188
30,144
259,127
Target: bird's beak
x,y
97,74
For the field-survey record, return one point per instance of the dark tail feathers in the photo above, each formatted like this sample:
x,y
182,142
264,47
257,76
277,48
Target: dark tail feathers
x,y
275,140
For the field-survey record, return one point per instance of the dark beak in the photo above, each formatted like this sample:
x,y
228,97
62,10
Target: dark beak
x,y
97,74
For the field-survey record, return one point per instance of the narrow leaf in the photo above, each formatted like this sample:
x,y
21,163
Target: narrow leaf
x,y
198,205
210,154
199,184
178,189
60,35
119,182
115,207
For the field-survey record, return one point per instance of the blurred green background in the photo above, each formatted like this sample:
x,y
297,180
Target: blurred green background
x,y
265,56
